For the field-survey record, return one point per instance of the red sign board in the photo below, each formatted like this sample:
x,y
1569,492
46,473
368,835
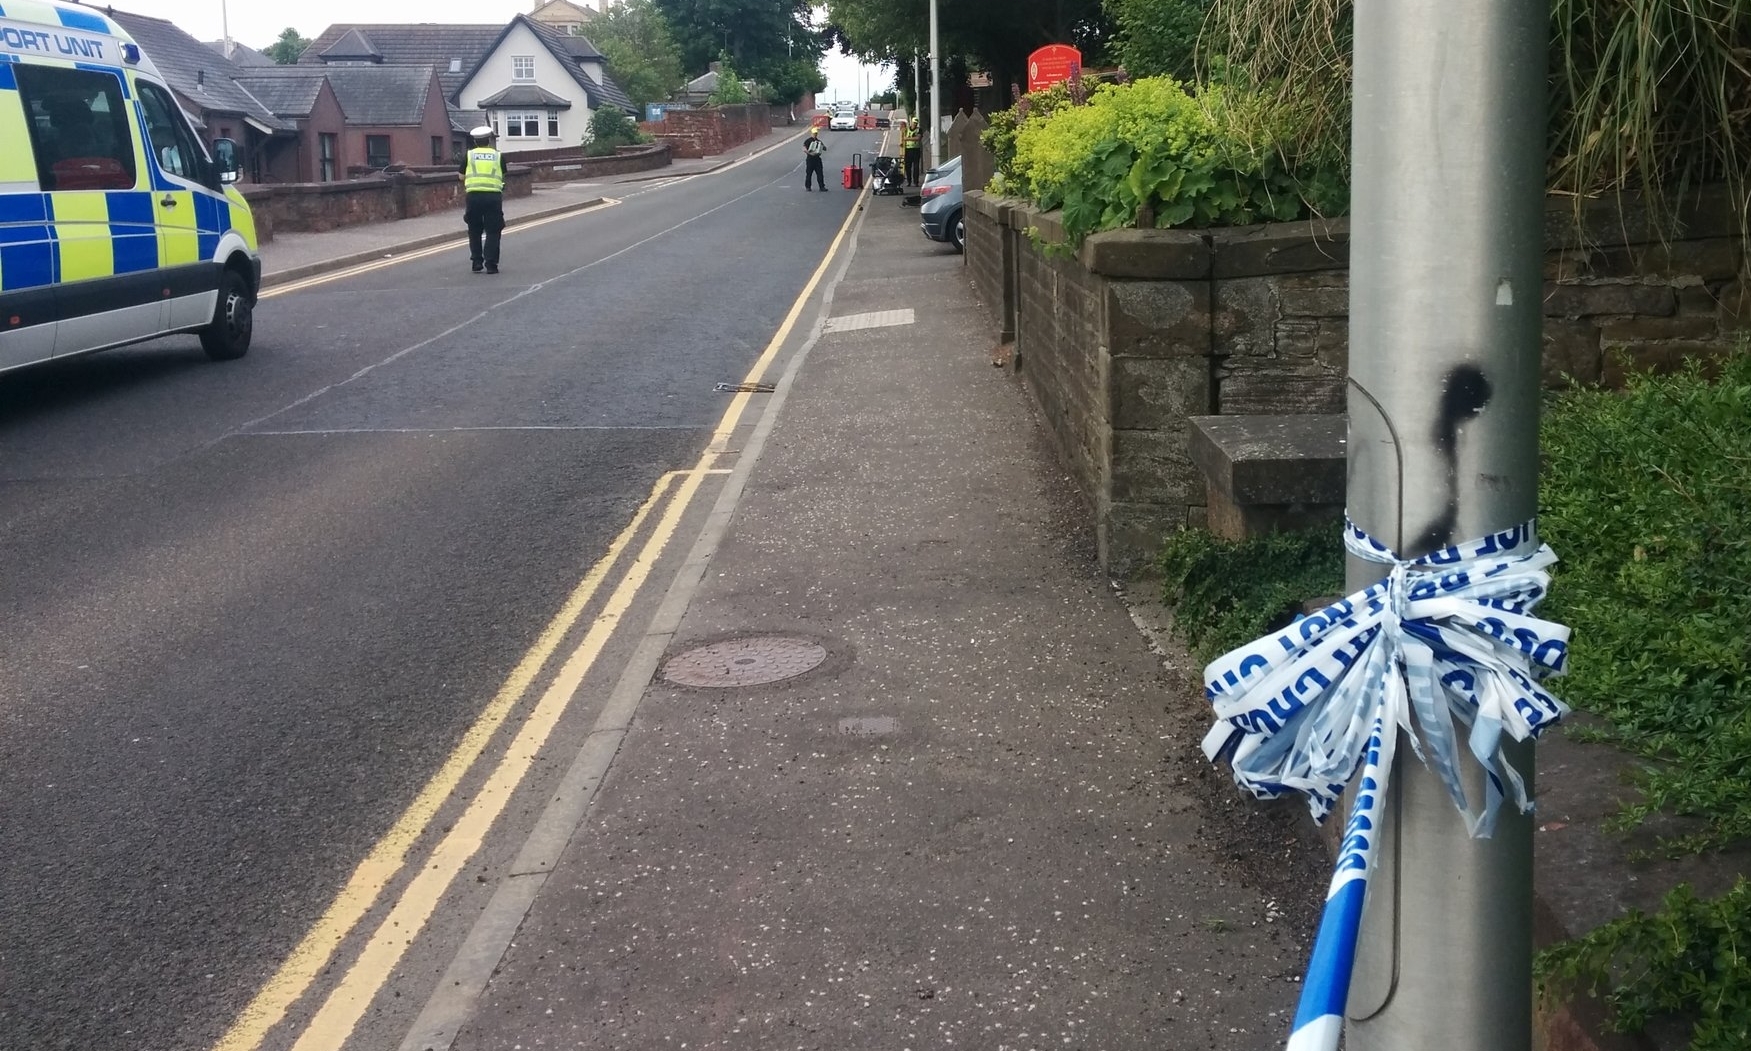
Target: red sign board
x,y
1050,64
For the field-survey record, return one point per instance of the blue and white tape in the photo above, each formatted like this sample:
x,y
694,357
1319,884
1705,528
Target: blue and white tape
x,y
1446,642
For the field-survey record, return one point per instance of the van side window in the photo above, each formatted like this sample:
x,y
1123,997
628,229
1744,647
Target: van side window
x,y
79,127
179,153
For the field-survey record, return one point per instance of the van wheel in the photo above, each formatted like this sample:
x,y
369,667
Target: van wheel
x,y
227,337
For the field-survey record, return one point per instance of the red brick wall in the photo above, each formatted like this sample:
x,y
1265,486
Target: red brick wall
x,y
709,132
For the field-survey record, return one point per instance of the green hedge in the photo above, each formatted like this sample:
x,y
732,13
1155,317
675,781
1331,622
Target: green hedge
x,y
1149,154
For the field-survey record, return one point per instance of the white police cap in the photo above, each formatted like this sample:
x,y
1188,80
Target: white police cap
x,y
482,132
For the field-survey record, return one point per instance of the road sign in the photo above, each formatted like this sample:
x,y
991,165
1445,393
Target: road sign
x,y
1050,64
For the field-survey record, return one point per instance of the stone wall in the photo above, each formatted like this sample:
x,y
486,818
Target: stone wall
x,y
319,206
1123,341
710,132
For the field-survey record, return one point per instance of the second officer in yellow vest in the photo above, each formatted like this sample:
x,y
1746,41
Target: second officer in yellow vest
x,y
483,186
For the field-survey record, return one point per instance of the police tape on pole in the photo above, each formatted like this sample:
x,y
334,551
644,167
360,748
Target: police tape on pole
x,y
1446,644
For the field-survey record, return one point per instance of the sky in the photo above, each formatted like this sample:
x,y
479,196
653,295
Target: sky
x,y
258,23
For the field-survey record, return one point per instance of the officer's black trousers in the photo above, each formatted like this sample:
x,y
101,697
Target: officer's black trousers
x,y
914,157
812,170
484,214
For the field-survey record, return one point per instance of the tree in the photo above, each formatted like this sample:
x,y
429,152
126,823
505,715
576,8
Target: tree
x,y
787,83
287,48
642,55
757,34
1158,36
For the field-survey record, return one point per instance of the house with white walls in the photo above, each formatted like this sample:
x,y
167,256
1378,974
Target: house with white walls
x,y
539,86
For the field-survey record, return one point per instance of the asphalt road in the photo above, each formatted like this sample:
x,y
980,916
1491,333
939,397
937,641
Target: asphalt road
x,y
250,607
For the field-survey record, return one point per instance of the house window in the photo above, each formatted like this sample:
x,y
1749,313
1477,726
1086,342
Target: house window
x,y
326,146
553,124
523,68
523,125
437,149
377,151
455,65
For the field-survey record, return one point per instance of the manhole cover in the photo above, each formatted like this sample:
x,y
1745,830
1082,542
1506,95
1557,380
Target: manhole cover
x,y
744,662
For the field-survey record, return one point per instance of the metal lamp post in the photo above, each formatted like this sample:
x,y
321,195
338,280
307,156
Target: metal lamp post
x,y
934,158
1446,249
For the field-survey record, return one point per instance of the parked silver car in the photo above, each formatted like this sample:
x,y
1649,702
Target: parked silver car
x,y
940,213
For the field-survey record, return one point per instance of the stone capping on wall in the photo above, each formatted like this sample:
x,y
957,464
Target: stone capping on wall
x,y
571,164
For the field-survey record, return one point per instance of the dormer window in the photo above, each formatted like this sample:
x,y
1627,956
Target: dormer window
x,y
523,69
455,65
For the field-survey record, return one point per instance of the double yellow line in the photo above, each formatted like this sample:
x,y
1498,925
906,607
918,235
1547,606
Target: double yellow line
x,y
335,1019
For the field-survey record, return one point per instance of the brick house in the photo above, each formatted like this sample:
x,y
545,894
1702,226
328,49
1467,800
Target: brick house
x,y
388,115
206,85
308,103
449,50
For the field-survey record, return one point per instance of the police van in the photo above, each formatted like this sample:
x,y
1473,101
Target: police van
x,y
116,226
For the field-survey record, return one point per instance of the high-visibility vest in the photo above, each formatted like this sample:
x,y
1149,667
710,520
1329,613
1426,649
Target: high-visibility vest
x,y
486,172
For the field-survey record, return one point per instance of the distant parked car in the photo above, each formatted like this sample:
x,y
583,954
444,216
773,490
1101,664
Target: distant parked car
x,y
882,119
843,121
940,213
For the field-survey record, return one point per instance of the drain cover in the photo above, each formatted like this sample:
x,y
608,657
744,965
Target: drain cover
x,y
744,662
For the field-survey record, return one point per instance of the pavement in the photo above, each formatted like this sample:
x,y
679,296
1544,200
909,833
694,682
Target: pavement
x,y
981,821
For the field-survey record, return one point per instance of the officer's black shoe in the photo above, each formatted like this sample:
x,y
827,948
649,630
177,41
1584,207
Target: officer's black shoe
x,y
492,269
476,268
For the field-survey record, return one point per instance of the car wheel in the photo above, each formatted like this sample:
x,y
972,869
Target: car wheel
x,y
227,336
957,231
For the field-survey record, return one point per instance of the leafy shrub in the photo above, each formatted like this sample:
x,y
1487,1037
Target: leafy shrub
x,y
1227,593
1647,496
611,128
1148,154
1687,960
999,134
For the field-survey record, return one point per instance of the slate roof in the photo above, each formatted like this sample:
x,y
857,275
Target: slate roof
x,y
242,55
353,45
422,44
368,95
197,73
466,120
526,95
290,91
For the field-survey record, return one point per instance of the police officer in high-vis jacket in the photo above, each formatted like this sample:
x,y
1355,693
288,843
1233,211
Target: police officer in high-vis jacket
x,y
483,185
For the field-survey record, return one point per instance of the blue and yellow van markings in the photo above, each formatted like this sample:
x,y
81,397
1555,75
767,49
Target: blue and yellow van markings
x,y
134,237
89,21
27,250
